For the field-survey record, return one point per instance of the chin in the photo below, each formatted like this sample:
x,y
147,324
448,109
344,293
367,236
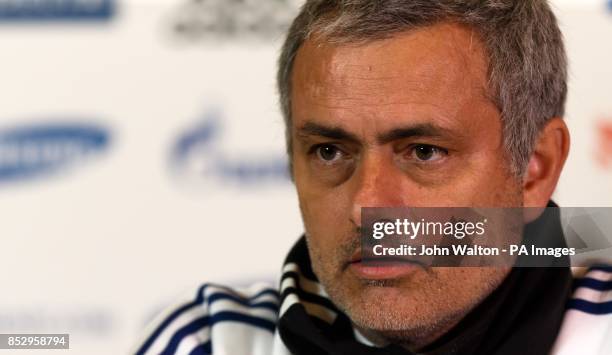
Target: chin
x,y
385,306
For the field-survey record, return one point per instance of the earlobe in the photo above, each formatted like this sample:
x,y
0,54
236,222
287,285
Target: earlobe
x,y
546,163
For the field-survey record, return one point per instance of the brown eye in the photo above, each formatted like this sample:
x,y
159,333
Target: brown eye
x,y
328,153
427,153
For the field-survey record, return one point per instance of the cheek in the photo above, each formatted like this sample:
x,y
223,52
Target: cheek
x,y
324,214
487,183
496,186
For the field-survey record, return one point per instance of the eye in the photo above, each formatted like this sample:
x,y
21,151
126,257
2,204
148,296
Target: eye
x,y
328,153
428,153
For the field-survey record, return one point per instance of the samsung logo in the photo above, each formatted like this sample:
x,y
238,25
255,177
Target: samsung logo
x,y
32,151
197,155
56,9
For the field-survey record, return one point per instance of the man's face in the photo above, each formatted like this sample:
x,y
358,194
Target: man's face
x,y
404,121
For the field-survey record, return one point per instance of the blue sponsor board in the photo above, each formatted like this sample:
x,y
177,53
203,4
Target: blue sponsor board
x,y
197,153
51,10
33,151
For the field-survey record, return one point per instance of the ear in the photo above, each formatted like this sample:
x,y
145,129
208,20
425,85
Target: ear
x,y
546,163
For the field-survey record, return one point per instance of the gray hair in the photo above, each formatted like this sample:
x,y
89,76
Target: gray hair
x,y
527,61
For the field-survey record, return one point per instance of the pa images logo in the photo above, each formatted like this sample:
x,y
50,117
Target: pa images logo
x,y
220,20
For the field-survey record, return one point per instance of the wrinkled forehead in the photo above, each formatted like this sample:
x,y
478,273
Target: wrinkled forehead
x,y
444,65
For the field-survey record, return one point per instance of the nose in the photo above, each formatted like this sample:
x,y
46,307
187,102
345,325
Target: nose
x,y
376,183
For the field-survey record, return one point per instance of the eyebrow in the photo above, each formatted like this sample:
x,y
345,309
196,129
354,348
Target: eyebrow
x,y
316,129
416,130
427,130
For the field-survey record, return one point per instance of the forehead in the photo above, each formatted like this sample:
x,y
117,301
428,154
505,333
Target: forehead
x,y
434,70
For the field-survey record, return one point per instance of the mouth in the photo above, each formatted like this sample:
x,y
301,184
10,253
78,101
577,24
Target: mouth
x,y
382,268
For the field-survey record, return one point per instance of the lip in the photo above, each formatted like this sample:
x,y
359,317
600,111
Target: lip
x,y
381,269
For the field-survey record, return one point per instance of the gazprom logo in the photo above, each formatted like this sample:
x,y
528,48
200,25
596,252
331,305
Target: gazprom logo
x,y
198,154
44,10
32,151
